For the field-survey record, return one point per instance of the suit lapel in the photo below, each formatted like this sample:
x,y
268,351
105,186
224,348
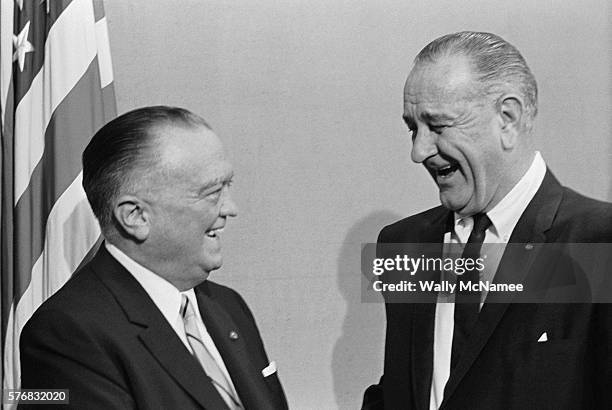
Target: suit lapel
x,y
169,350
156,335
423,317
247,378
513,268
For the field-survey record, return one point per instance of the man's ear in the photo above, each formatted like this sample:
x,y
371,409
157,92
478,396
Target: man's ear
x,y
511,111
133,215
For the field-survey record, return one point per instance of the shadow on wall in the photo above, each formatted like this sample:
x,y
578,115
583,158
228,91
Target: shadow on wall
x,y
358,354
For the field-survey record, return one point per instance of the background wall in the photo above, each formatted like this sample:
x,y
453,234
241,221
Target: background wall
x,y
307,96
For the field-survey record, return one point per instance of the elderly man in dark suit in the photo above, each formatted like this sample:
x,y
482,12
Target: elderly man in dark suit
x,y
470,102
140,326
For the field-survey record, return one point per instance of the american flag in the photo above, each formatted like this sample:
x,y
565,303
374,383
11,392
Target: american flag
x,y
56,87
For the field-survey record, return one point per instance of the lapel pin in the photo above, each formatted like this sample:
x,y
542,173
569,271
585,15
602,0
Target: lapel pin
x,y
529,247
233,335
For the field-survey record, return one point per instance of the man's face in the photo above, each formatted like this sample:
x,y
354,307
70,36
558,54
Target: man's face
x,y
190,203
455,134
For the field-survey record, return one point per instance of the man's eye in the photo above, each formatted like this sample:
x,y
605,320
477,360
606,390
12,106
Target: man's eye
x,y
214,195
437,128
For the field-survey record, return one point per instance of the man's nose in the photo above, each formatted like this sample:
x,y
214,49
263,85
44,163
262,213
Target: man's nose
x,y
228,208
423,145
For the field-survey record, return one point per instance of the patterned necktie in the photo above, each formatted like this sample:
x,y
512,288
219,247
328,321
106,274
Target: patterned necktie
x,y
467,304
208,363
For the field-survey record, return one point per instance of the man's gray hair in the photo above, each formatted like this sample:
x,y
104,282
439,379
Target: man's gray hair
x,y
495,62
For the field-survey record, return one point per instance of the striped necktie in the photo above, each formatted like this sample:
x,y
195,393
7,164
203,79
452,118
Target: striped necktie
x,y
210,366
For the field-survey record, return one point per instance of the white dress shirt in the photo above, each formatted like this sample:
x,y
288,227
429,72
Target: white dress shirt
x,y
504,216
167,298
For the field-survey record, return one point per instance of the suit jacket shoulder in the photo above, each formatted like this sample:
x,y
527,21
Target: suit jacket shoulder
x,y
582,219
421,227
226,296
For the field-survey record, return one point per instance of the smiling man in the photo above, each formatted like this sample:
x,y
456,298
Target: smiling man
x,y
470,101
140,325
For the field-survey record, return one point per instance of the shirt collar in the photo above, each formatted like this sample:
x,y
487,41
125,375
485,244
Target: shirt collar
x,y
166,297
505,215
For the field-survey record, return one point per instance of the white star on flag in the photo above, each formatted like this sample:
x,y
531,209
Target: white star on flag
x,y
22,46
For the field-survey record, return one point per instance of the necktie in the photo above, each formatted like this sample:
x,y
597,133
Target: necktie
x,y
467,303
208,363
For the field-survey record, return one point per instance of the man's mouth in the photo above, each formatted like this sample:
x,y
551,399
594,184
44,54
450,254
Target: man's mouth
x,y
213,232
446,171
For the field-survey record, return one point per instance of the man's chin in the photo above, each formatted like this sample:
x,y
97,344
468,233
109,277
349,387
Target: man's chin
x,y
213,266
455,204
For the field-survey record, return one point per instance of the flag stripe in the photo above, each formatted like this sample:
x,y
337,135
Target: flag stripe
x,y
76,43
108,102
59,166
6,209
98,9
40,24
104,55
6,55
70,214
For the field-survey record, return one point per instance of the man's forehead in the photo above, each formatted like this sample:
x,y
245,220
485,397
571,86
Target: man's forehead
x,y
445,78
200,172
180,143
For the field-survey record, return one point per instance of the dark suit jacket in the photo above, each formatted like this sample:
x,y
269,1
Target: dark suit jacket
x,y
103,338
503,366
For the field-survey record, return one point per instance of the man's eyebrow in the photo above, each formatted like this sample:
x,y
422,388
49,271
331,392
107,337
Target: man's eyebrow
x,y
428,117
433,117
217,181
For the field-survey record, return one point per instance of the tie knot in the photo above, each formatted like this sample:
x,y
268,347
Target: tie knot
x,y
481,223
186,308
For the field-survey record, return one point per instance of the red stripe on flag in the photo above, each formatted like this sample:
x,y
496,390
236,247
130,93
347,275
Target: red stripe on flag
x,y
6,219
